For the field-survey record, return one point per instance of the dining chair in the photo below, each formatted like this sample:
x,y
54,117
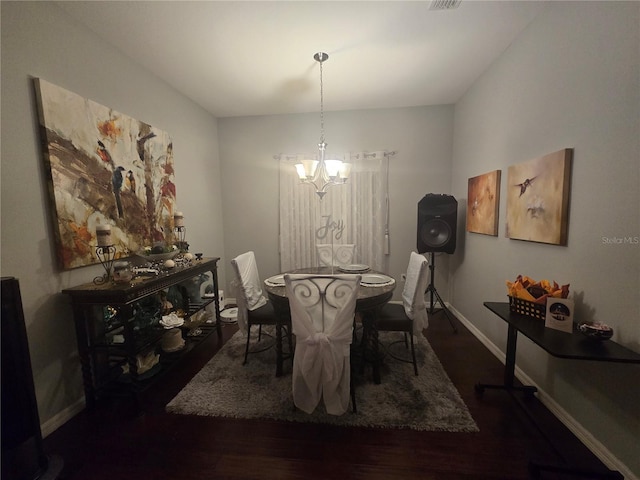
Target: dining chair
x,y
335,255
322,313
410,317
254,308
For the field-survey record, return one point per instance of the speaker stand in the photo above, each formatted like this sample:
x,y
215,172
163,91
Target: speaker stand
x,y
431,290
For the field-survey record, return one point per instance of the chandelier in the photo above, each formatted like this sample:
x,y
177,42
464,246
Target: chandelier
x,y
322,173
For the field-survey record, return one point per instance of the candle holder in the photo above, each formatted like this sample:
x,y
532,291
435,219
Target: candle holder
x,y
106,254
181,236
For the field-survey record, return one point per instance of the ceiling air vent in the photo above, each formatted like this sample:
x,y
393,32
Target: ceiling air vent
x,y
444,4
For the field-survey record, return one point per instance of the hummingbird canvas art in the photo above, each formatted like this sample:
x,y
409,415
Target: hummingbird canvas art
x,y
538,198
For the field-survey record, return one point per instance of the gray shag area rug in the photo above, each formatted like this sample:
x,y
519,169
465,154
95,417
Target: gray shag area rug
x,y
429,401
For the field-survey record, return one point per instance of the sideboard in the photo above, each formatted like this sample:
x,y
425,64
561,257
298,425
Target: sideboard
x,y
120,332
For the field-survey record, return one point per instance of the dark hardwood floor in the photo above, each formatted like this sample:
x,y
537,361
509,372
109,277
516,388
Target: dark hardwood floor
x,y
113,443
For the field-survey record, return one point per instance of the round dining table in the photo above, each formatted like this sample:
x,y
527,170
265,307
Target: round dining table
x,y
371,298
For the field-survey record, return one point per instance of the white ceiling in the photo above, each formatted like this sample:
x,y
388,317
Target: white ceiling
x,y
240,58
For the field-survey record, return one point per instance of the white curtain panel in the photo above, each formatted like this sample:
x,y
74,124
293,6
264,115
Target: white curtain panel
x,y
351,213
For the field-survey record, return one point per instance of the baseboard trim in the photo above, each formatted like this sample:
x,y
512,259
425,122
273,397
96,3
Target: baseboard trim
x,y
597,448
61,418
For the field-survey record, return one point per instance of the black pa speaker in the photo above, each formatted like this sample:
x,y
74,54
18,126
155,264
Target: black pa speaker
x,y
437,223
22,452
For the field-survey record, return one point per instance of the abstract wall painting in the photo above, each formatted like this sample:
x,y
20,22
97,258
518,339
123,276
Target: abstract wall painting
x,y
103,167
538,198
483,202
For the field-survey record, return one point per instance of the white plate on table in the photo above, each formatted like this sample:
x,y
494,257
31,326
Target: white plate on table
x,y
375,279
276,280
355,268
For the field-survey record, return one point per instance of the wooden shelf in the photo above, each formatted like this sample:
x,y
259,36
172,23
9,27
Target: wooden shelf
x,y
104,362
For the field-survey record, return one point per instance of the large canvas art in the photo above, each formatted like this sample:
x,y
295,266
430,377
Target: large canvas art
x,y
483,200
538,199
104,168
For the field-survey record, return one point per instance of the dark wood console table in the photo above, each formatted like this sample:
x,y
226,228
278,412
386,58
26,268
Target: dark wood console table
x,y
129,312
559,344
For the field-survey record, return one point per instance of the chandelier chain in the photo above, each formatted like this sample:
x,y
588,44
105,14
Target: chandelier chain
x,y
321,105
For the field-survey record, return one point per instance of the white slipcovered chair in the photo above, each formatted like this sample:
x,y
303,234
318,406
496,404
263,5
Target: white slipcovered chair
x,y
253,307
335,255
322,311
409,317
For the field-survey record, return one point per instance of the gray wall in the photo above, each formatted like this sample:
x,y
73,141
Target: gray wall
x,y
39,40
421,136
572,79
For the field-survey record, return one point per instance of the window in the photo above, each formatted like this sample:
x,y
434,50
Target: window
x,y
355,212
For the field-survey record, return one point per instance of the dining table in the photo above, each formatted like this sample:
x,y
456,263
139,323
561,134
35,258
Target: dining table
x,y
376,290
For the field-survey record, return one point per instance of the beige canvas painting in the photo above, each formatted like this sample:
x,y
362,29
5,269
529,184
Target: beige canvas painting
x,y
538,199
103,167
483,201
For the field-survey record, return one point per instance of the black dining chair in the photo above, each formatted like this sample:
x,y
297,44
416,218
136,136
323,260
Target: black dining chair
x,y
410,317
339,255
254,309
322,312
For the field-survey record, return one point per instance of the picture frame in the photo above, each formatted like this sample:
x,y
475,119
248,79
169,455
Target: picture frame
x,y
483,203
104,169
538,194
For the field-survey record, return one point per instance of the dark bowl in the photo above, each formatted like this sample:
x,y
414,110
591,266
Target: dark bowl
x,y
596,331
